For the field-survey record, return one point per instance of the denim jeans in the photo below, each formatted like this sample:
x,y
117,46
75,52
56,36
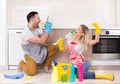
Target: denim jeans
x,y
87,74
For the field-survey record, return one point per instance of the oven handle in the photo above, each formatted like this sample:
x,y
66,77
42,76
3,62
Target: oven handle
x,y
110,37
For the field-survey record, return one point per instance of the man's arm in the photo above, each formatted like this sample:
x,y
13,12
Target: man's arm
x,y
39,40
44,36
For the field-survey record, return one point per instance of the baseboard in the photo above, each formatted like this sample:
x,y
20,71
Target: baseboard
x,y
3,68
105,67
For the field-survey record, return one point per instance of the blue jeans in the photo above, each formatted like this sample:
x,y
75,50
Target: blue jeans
x,y
87,74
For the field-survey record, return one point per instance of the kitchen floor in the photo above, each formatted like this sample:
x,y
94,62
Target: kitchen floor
x,y
45,78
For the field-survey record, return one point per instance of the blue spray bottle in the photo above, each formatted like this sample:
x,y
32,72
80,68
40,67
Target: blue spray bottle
x,y
72,73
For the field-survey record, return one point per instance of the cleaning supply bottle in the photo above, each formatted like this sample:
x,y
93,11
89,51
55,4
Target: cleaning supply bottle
x,y
54,72
64,77
69,36
80,71
72,73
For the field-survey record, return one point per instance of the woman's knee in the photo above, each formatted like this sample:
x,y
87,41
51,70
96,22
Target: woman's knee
x,y
86,66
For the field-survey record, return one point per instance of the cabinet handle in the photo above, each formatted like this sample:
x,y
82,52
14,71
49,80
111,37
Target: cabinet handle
x,y
18,32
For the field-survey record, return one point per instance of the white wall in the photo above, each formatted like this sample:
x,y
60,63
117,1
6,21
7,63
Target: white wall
x,y
64,13
2,32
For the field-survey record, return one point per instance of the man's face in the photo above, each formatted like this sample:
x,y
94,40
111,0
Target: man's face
x,y
36,20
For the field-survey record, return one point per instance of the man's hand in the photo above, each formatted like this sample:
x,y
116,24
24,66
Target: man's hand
x,y
48,26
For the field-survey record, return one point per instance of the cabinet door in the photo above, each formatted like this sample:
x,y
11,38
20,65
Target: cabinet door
x,y
118,13
15,48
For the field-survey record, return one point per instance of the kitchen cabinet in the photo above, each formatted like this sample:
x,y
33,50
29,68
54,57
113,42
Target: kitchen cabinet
x,y
15,53
118,13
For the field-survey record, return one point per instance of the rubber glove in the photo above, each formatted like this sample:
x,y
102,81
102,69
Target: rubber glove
x,y
97,31
16,76
48,26
60,45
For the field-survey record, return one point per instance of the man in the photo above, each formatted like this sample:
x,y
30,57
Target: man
x,y
33,44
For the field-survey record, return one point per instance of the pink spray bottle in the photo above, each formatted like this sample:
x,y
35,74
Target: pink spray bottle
x,y
80,72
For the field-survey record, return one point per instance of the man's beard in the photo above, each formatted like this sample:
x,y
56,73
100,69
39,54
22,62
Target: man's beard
x,y
36,26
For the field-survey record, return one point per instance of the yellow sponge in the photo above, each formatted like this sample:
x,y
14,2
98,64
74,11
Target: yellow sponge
x,y
98,31
43,23
28,78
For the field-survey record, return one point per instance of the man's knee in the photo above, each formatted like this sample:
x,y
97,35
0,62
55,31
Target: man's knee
x,y
31,65
26,57
31,72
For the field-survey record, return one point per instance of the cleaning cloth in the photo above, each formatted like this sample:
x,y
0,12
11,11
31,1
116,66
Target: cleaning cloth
x,y
16,76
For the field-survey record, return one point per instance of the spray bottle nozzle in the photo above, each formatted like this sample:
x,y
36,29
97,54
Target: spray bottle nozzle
x,y
55,63
71,31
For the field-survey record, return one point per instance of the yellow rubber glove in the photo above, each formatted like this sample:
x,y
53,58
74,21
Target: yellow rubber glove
x,y
60,45
97,31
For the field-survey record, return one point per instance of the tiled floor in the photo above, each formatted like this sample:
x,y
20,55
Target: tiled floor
x,y
45,78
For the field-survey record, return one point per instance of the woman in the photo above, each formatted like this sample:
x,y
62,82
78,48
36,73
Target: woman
x,y
79,43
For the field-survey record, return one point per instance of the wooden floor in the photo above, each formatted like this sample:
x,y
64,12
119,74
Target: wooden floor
x,y
45,78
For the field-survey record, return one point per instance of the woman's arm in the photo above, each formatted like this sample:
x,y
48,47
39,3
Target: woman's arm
x,y
97,31
96,40
66,49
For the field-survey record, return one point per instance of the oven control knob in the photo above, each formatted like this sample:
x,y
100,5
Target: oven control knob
x,y
107,32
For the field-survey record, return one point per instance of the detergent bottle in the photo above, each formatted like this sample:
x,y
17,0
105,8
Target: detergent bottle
x,y
64,77
80,72
54,72
72,73
69,34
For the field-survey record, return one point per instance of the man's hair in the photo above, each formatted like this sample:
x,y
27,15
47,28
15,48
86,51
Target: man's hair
x,y
31,15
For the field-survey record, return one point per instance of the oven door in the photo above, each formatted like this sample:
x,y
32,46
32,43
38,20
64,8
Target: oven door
x,y
107,48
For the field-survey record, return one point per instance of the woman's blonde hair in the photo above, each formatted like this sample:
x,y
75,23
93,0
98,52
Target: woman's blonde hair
x,y
84,39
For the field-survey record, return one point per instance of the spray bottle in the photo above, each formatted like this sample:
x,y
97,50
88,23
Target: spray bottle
x,y
69,35
80,72
54,72
72,73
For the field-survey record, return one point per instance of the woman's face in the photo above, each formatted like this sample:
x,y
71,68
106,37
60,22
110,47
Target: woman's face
x,y
79,32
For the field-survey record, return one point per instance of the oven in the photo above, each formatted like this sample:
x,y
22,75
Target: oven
x,y
108,47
